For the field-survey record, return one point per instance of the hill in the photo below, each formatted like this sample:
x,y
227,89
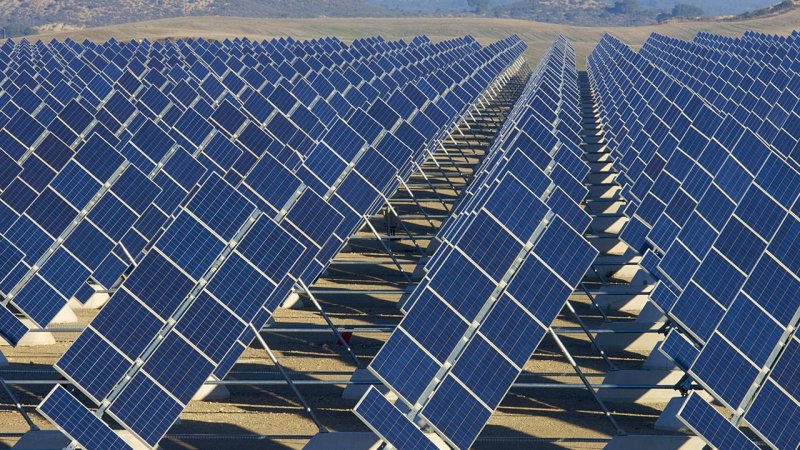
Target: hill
x,y
538,36
87,13
20,17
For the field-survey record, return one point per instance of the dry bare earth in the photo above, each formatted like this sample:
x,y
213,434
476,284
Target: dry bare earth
x,y
537,35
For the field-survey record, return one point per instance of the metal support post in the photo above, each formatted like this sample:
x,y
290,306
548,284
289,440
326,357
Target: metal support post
x,y
586,383
330,323
285,376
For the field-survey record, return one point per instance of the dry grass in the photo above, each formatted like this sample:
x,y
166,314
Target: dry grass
x,y
538,35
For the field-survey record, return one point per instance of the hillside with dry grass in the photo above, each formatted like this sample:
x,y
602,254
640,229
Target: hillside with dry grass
x,y
537,35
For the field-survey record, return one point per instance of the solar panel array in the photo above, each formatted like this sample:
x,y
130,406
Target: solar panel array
x,y
212,179
508,258
165,116
704,135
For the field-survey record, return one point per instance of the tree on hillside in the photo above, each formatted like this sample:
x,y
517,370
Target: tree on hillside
x,y
625,7
480,6
685,10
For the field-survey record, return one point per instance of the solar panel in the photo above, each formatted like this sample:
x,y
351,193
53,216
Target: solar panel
x,y
447,359
725,214
152,219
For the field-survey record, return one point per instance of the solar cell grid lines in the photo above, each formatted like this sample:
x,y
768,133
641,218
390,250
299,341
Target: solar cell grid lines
x,y
449,360
204,184
702,176
217,187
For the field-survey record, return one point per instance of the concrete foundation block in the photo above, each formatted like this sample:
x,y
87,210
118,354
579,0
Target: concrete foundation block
x,y
212,392
33,339
638,442
630,342
611,225
650,314
293,301
356,391
132,440
608,245
630,303
97,300
66,315
644,377
344,441
668,420
74,303
42,440
657,361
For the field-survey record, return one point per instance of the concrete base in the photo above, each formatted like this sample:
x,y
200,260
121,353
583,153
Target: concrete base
x,y
401,304
657,361
608,245
356,391
668,420
629,342
641,396
627,302
212,392
344,441
639,442
33,339
293,302
42,440
74,303
133,441
66,315
97,300
650,314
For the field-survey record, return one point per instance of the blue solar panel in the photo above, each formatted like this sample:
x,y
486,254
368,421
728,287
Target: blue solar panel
x,y
179,368
210,327
273,182
466,298
39,301
159,284
711,425
93,364
241,287
724,371
456,413
434,325
145,408
404,366
481,362
393,426
512,330
140,324
69,414
190,245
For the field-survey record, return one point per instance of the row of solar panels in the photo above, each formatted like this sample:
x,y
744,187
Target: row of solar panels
x,y
234,246
507,260
92,207
704,137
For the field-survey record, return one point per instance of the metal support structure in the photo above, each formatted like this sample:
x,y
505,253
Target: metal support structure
x,y
586,383
32,426
330,323
594,302
433,189
414,198
389,251
589,335
289,381
405,229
